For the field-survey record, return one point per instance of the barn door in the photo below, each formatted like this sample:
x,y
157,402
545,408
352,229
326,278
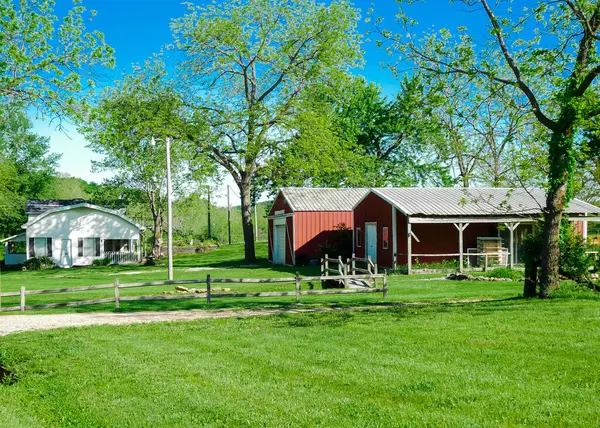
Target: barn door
x,y
371,241
279,244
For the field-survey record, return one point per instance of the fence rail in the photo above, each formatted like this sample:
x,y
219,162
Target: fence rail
x,y
208,295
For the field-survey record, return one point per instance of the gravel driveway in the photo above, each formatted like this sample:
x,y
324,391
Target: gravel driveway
x,y
19,323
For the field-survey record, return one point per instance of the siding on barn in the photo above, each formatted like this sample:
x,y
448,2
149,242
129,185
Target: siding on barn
x,y
374,209
439,238
435,238
313,229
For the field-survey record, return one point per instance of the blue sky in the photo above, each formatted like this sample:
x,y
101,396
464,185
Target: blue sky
x,y
138,28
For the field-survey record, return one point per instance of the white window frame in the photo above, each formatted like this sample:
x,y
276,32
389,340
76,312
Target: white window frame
x,y
358,237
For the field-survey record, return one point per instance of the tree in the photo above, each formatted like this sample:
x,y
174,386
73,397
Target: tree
x,y
248,62
361,138
26,166
121,127
549,52
43,57
482,126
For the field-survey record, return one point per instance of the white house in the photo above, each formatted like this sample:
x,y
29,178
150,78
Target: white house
x,y
74,233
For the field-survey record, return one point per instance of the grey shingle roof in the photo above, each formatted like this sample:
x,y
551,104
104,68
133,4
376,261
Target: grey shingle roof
x,y
451,201
39,206
322,199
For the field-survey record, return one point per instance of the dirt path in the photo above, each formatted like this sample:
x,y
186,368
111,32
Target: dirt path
x,y
20,323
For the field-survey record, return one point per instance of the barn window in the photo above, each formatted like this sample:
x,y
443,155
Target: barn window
x,y
358,237
385,238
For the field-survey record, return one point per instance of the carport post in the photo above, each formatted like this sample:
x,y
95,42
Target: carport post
x,y
409,244
511,228
461,227
460,244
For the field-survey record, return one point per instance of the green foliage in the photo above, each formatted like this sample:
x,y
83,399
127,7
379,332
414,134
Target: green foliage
x,y
341,244
101,262
574,262
43,56
248,64
40,263
505,272
26,166
360,138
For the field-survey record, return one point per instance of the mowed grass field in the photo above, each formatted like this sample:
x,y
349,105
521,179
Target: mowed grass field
x,y
508,362
227,262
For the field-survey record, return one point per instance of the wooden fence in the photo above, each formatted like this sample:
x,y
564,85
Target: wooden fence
x,y
208,295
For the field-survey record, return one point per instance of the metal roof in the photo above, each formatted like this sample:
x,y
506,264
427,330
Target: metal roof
x,y
322,199
452,201
39,206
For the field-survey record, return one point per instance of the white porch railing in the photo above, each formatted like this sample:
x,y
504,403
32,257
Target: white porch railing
x,y
118,257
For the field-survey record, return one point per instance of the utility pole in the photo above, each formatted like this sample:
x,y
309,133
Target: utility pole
x,y
169,208
228,216
255,224
209,234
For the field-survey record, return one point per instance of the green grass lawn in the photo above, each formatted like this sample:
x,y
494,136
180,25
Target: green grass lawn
x,y
508,362
227,262
520,362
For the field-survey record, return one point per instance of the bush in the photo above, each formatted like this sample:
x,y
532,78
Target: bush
x,y
574,262
39,263
101,262
505,272
341,245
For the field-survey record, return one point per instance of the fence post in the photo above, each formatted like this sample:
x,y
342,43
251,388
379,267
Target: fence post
x,y
208,289
326,264
322,266
353,264
376,272
485,265
116,293
22,298
346,268
385,283
297,286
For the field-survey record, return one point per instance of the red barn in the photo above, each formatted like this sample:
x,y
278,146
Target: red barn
x,y
395,226
302,219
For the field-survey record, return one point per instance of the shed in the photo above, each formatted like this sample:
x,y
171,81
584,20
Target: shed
x,y
303,219
395,226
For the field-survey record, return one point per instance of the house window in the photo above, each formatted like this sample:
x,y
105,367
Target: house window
x,y
358,237
88,247
39,247
385,239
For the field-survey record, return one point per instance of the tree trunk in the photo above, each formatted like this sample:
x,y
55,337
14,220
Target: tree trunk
x,y
529,290
157,230
561,165
549,277
157,239
245,186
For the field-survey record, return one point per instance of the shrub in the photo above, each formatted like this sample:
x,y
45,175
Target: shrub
x,y
574,262
341,244
505,272
101,262
39,263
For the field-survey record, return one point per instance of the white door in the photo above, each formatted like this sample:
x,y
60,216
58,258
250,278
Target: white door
x,y
279,244
371,241
66,259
